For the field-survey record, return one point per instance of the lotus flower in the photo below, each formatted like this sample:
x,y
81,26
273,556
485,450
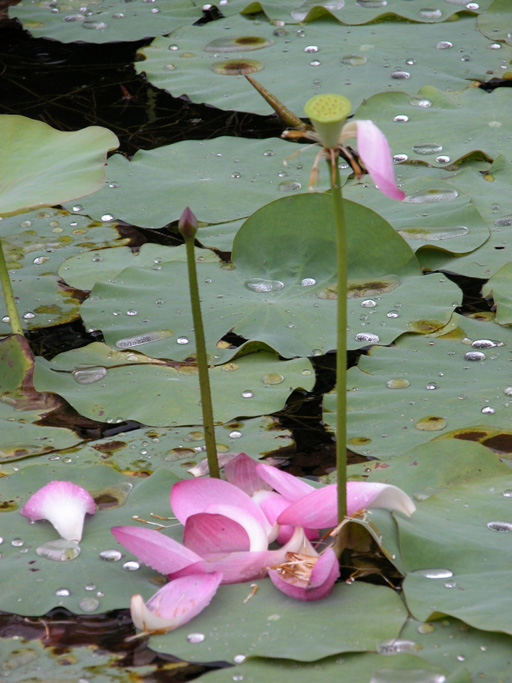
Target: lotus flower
x,y
328,113
175,604
62,503
224,531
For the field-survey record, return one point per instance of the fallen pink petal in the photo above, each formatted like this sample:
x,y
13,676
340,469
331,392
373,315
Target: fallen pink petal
x,y
319,508
64,505
175,604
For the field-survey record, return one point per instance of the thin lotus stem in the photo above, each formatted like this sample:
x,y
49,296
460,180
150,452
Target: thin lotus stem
x,y
10,302
341,354
202,361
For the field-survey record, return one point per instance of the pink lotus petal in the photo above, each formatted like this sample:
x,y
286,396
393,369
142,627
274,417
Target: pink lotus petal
x,y
319,508
321,582
292,488
364,494
258,536
242,473
211,533
374,150
64,504
202,467
196,495
273,504
244,566
175,604
161,553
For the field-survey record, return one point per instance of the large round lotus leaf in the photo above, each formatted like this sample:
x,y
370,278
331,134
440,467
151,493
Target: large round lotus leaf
x,y
362,12
450,531
105,21
30,582
490,193
426,386
354,618
180,449
153,189
498,287
21,439
495,22
35,244
432,132
451,643
41,166
433,216
29,660
87,268
362,62
285,299
399,668
119,387
463,514
219,235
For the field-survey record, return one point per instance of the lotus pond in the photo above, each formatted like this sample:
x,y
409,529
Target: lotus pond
x,y
103,390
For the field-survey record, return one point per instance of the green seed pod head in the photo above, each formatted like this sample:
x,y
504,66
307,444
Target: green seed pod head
x,y
328,113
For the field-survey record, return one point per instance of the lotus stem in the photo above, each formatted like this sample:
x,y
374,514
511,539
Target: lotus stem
x,y
10,302
341,353
188,228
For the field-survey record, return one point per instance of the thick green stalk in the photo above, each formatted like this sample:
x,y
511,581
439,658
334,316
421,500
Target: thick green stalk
x,y
341,353
10,302
202,361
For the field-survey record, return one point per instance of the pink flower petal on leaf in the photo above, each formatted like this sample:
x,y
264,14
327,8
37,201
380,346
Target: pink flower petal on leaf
x,y
175,604
374,150
273,504
211,533
292,488
196,495
64,505
161,553
242,473
322,578
319,508
363,494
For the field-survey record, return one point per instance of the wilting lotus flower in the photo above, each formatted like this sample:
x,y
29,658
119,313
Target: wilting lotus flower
x,y
328,113
224,531
62,503
175,604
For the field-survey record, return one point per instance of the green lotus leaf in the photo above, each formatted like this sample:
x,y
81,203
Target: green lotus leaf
x,y
41,166
87,268
284,299
362,62
427,386
30,582
272,624
354,667
452,546
490,193
181,448
153,189
361,12
105,21
26,660
434,217
498,287
219,235
431,131
35,244
113,386
495,22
